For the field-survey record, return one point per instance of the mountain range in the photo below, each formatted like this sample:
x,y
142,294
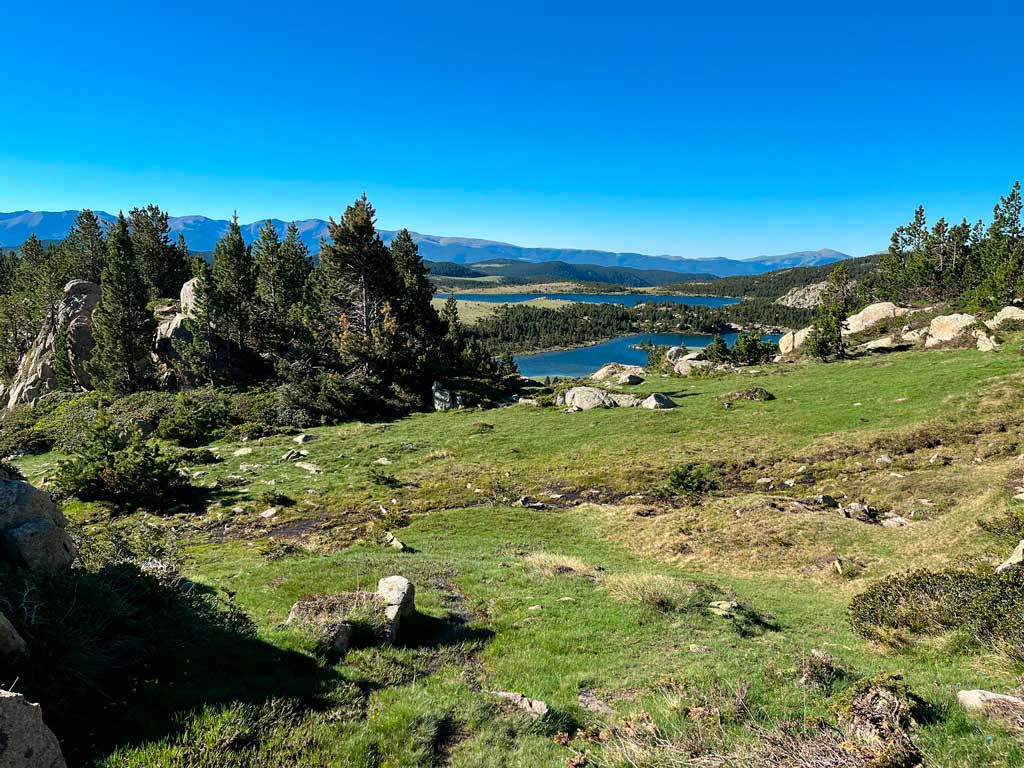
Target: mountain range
x,y
201,233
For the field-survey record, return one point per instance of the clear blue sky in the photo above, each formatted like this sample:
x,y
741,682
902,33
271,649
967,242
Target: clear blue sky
x,y
652,127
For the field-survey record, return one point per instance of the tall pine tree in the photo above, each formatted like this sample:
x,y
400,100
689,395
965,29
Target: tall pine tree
x,y
163,265
232,290
123,325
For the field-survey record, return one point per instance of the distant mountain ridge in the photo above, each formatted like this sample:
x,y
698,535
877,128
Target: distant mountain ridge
x,y
201,233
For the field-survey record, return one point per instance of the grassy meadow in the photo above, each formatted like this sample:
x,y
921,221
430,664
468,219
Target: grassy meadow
x,y
548,561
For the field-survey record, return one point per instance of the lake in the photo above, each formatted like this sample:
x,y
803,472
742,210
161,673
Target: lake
x,y
582,361
626,299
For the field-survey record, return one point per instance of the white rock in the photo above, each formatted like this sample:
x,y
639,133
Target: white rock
x,y
1006,314
658,402
946,328
872,314
25,741
1015,559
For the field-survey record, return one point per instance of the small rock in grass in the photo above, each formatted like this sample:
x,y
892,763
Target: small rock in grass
x,y
269,512
724,608
1015,559
694,648
588,700
303,438
242,452
535,608
313,469
383,461
1007,710
392,541
533,707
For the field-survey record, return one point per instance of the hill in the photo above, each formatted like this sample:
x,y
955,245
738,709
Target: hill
x,y
515,272
774,285
202,233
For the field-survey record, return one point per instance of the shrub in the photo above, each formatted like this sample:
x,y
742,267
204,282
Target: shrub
x,y
718,351
689,479
274,498
199,417
749,349
118,466
984,606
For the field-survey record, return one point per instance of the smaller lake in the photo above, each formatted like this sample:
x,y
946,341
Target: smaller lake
x,y
582,361
626,299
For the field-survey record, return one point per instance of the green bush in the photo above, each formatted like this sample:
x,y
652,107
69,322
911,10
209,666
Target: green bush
x,y
981,605
689,479
118,466
749,349
198,417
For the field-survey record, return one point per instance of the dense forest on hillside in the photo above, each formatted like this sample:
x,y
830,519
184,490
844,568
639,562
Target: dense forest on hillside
x,y
773,285
512,272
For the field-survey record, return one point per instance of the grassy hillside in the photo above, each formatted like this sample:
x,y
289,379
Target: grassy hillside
x,y
773,285
548,561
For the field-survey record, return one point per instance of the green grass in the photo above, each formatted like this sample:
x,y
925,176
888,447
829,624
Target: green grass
x,y
495,620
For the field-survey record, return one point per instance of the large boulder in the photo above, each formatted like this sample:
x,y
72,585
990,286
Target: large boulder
x,y
629,379
32,529
872,314
793,340
613,370
674,354
11,642
623,400
585,399
25,741
1006,315
946,328
444,399
187,297
170,327
1004,709
686,367
658,402
37,373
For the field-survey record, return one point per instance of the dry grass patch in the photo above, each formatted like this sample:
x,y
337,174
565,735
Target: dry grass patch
x,y
555,564
664,593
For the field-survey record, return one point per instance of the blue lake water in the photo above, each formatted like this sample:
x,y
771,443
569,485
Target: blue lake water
x,y
582,361
626,299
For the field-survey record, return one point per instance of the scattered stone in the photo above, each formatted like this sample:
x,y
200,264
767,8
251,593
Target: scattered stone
x,y
686,367
1007,710
399,596
303,438
629,379
242,451
535,608
11,642
25,741
1015,560
884,460
585,399
658,402
694,648
383,461
896,521
872,314
268,513
793,340
724,608
983,341
313,469
674,354
755,394
533,707
588,700
392,541
624,400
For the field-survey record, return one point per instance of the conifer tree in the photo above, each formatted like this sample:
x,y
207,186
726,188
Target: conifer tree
x,y
825,340
85,247
232,288
123,325
163,265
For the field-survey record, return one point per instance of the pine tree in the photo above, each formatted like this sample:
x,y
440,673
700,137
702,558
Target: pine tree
x,y
163,265
825,340
86,249
123,326
295,268
232,288
358,276
266,257
419,325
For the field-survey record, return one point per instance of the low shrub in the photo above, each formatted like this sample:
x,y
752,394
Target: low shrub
x,y
690,480
198,417
982,606
118,466
749,349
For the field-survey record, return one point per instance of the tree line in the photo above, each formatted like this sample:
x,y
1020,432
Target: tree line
x,y
341,335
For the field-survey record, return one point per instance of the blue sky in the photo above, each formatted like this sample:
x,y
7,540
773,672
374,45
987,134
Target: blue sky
x,y
652,127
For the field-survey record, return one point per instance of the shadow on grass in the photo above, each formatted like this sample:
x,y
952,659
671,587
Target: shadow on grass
x,y
118,657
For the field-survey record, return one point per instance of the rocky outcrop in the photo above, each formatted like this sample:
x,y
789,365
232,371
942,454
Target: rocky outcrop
x,y
946,328
613,370
871,315
187,298
793,340
674,354
25,741
32,529
803,297
170,328
1015,560
11,642
445,399
585,399
658,402
1004,316
72,321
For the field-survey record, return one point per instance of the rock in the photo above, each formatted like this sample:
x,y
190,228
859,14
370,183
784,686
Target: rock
x,y
11,642
399,596
808,296
588,700
1008,710
37,372
586,398
884,344
313,469
533,707
872,314
268,513
25,741
896,521
1015,560
793,340
384,461
392,541
187,297
724,608
754,394
913,336
629,379
1005,315
170,327
624,400
32,529
445,400
303,438
320,614
242,452
946,328
884,460
983,341
686,367
611,370
695,648
658,402
674,354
